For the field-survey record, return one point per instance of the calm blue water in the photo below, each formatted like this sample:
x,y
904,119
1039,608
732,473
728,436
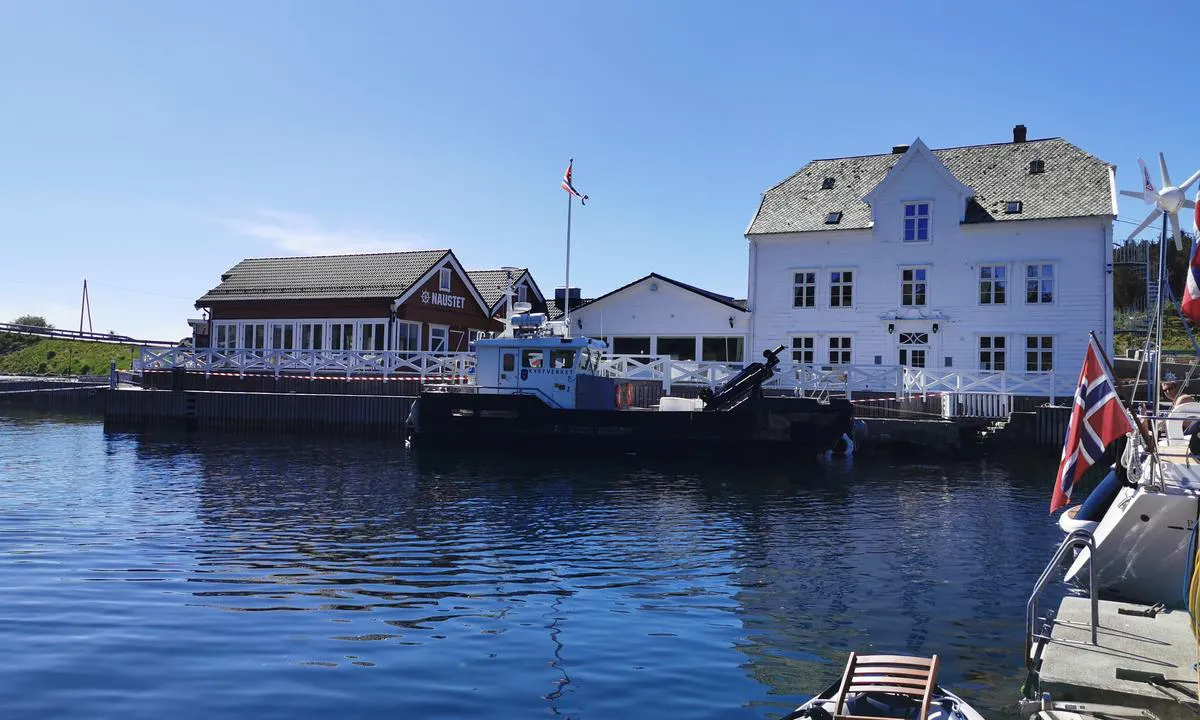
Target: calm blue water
x,y
176,577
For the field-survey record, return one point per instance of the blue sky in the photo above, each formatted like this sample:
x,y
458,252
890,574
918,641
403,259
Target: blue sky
x,y
148,147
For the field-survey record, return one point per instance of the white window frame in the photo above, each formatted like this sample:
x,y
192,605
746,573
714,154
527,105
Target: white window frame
x,y
225,335
914,282
840,284
1025,279
445,278
522,293
1040,351
992,352
911,348
445,329
979,280
847,349
916,217
812,285
403,329
283,326
811,350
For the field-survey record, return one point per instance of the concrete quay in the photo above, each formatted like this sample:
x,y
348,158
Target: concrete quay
x,y
1132,647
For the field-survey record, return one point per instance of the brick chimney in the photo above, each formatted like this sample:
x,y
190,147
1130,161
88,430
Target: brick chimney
x,y
1019,133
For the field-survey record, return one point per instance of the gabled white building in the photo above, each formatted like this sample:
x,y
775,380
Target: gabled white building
x,y
656,315
979,258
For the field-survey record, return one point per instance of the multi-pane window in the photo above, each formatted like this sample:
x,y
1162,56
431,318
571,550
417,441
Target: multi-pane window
x,y
283,336
841,288
1039,353
226,336
993,284
839,351
254,336
913,347
804,289
408,336
373,336
311,336
1039,284
522,293
341,336
444,280
804,350
721,349
916,222
912,287
992,351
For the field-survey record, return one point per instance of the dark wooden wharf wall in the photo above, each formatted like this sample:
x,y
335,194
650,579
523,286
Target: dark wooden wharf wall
x,y
258,412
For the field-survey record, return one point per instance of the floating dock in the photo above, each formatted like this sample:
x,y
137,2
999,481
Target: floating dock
x,y
1142,660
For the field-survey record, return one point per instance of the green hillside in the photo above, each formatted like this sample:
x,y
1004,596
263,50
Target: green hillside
x,y
21,355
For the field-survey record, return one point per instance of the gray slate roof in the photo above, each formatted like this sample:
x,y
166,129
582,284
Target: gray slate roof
x,y
1074,184
491,283
376,275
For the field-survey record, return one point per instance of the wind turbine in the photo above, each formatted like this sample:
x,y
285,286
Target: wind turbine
x,y
1170,199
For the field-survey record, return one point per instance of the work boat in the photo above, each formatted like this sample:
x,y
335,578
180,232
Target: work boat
x,y
1143,515
537,388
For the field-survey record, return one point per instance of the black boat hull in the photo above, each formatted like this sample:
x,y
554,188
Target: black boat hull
x,y
791,425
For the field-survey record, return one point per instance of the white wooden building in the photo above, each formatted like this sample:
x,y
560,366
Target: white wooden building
x,y
658,316
980,258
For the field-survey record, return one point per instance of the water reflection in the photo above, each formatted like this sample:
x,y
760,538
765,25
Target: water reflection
x,y
505,586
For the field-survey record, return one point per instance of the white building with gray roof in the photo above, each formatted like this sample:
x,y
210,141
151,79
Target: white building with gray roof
x,y
980,258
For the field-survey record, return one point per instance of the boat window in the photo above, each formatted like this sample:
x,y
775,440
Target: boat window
x,y
510,362
531,359
562,358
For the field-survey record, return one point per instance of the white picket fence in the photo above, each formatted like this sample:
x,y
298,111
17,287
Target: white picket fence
x,y
838,380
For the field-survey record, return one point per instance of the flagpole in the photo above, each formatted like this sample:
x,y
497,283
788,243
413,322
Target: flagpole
x,y
567,293
1113,374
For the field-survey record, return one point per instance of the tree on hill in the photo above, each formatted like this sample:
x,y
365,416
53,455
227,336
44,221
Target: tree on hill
x,y
33,321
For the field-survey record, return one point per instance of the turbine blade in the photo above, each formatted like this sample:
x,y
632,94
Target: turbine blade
x,y
1148,193
1146,223
1189,204
1178,235
1162,167
1130,193
1188,183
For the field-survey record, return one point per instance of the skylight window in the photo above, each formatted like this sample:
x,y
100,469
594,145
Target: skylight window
x,y
1012,207
827,183
1037,166
833,218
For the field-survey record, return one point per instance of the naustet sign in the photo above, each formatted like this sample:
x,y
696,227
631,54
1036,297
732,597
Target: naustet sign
x,y
441,299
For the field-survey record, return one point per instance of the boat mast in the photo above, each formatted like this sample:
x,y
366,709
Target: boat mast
x,y
1158,319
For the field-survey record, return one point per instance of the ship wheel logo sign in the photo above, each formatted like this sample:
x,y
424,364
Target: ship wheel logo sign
x,y
425,296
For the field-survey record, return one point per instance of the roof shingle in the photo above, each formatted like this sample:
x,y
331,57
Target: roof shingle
x,y
1074,184
376,275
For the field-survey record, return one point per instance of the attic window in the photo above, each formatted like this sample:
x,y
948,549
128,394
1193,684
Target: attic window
x,y
1012,207
827,184
1037,166
833,218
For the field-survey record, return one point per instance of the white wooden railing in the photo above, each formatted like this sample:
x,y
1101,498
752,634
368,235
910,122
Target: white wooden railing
x,y
820,379
311,362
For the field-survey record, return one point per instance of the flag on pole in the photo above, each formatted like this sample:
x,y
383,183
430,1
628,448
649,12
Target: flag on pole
x,y
569,187
1097,419
1191,289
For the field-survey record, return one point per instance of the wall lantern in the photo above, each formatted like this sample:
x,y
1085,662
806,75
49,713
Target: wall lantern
x,y
935,328
891,328
730,321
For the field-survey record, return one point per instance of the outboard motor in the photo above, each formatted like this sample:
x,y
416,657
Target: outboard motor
x,y
745,384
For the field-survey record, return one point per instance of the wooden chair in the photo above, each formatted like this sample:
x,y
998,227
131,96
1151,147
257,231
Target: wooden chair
x,y
894,674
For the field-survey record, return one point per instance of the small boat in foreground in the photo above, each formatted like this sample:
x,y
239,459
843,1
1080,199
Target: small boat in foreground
x,y
886,686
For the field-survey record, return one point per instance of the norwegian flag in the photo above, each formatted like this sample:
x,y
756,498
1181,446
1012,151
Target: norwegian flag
x,y
1098,418
1191,289
569,187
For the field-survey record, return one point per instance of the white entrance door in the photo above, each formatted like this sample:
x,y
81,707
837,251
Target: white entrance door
x,y
913,348
510,368
439,338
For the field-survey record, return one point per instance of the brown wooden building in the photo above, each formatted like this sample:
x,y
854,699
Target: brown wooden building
x,y
404,301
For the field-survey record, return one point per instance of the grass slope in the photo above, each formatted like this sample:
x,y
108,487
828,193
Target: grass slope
x,y
64,357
